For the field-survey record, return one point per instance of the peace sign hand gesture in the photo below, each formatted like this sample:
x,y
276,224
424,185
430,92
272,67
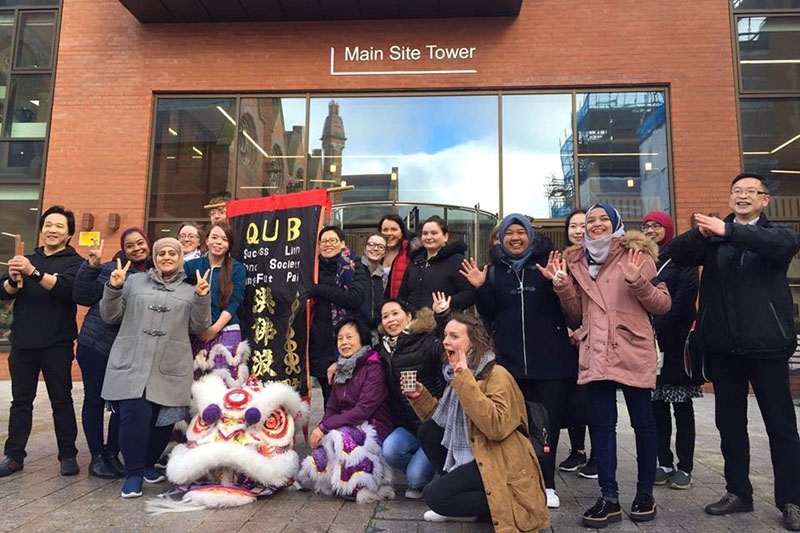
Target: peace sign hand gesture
x,y
96,253
441,302
117,279
632,267
555,270
202,286
470,270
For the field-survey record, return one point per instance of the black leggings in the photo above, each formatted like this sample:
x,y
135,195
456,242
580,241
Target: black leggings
x,y
459,492
684,433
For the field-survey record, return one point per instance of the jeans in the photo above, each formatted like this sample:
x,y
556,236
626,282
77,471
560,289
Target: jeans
x,y
603,396
684,433
402,451
55,363
459,492
770,381
141,441
93,370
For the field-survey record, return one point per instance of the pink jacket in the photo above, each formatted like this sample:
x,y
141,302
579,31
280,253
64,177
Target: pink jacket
x,y
615,339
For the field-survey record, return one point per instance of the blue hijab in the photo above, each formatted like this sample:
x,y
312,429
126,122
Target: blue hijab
x,y
597,250
517,261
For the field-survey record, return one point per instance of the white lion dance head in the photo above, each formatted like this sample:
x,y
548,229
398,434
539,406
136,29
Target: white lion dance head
x,y
240,444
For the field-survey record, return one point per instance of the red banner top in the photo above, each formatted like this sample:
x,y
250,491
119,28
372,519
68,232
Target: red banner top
x,y
279,202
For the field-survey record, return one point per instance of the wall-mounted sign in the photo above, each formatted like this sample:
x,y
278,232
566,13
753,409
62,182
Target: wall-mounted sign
x,y
361,55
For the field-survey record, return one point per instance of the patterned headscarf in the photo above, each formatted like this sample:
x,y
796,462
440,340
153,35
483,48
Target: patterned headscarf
x,y
345,272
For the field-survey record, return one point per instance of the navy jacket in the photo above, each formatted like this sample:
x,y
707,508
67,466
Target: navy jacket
x,y
525,317
88,291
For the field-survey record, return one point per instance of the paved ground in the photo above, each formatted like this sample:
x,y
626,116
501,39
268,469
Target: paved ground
x,y
39,500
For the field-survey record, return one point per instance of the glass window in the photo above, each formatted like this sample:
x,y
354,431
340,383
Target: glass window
x,y
192,159
538,177
769,54
441,149
28,3
272,149
743,5
29,109
622,151
6,45
37,32
21,161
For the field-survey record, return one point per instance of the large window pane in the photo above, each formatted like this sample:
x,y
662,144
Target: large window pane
x,y
765,4
769,53
622,151
36,35
538,177
416,149
192,160
272,150
29,109
6,45
28,3
771,146
21,161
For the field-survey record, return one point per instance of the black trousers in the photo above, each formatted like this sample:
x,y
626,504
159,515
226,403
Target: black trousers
x,y
55,363
459,492
684,433
770,381
553,394
141,441
93,369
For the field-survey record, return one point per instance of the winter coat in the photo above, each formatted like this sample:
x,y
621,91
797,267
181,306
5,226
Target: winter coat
x,y
746,308
151,355
439,273
397,271
672,327
373,300
509,469
322,344
615,336
43,318
419,348
361,398
239,277
524,314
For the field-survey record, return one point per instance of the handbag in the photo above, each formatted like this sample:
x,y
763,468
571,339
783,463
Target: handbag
x,y
694,360
538,429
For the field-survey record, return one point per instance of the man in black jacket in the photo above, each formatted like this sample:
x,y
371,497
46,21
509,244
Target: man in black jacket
x,y
43,331
747,329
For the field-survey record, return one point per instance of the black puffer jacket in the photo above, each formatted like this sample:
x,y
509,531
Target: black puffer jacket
x,y
673,326
418,349
746,307
440,273
322,344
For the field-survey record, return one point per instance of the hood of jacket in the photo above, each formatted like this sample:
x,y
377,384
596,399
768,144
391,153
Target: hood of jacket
x,y
632,240
66,252
448,250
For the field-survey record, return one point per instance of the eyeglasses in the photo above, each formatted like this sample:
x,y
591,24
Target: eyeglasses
x,y
655,226
376,246
752,193
188,237
328,241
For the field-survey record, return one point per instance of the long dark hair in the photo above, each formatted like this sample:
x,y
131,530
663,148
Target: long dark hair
x,y
226,269
578,211
397,220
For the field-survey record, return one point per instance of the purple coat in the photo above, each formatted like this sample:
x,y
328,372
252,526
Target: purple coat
x,y
361,398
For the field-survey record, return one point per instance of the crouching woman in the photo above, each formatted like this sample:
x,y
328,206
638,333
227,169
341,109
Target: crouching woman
x,y
476,437
346,446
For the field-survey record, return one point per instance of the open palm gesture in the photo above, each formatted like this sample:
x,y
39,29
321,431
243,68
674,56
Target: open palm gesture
x,y
118,275
441,302
96,253
470,270
632,265
555,270
202,286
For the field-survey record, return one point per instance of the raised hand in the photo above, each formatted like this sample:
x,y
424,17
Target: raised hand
x,y
632,265
202,286
458,360
555,270
96,253
710,225
118,275
470,270
441,302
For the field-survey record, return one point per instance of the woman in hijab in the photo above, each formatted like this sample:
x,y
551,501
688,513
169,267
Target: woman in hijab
x,y
673,388
604,286
149,373
528,326
94,344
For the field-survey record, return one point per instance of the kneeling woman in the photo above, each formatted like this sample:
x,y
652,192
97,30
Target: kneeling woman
x,y
150,364
476,435
346,447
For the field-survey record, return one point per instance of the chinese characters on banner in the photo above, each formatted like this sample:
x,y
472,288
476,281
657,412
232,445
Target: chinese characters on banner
x,y
277,242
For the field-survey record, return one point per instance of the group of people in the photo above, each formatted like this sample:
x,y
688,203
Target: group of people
x,y
414,380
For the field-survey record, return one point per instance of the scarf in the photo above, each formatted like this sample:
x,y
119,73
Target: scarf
x,y
451,416
517,261
389,343
168,242
597,250
345,272
666,221
345,366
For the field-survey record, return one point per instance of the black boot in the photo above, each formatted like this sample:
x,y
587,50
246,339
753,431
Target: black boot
x,y
99,468
113,463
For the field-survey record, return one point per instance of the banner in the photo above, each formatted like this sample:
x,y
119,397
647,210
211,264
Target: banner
x,y
277,242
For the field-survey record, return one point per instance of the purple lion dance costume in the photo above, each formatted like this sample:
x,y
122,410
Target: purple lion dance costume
x,y
348,463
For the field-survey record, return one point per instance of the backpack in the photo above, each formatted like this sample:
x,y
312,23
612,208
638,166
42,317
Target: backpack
x,y
538,429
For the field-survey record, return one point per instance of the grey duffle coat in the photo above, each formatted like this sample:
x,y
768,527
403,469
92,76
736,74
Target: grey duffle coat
x,y
151,355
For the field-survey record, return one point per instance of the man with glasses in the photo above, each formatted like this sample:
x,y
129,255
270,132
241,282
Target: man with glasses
x,y
747,330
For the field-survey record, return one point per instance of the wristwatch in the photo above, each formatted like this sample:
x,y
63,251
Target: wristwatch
x,y
36,275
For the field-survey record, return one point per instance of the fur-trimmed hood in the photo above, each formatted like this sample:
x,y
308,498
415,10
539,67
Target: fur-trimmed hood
x,y
632,240
424,322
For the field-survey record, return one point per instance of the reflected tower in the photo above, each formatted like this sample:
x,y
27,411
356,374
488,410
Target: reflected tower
x,y
333,141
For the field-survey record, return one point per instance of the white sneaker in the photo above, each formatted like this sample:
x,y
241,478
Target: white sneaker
x,y
433,516
413,494
552,499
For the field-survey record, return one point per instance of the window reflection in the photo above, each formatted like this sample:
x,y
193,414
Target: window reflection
x,y
765,4
769,54
29,109
622,151
36,35
6,44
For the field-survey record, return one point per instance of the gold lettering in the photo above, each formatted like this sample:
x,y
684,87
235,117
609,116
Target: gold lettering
x,y
293,229
274,233
252,234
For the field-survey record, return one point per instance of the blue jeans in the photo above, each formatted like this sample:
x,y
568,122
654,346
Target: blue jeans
x,y
603,397
402,451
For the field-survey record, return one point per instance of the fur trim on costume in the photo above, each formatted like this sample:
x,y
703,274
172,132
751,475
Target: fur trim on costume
x,y
206,362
